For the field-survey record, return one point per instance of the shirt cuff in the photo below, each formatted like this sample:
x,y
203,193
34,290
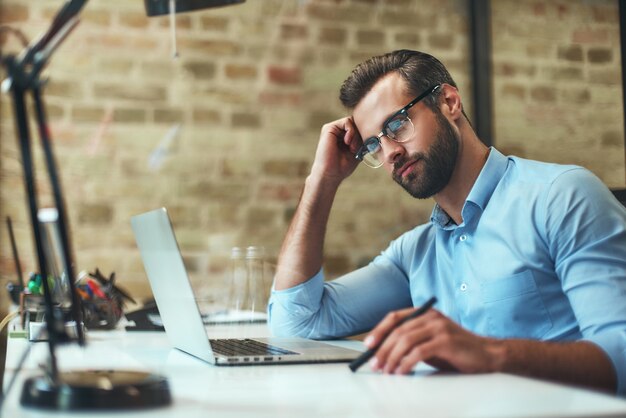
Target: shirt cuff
x,y
613,343
289,308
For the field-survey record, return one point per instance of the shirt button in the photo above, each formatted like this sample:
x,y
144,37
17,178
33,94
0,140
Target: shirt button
x,y
463,287
462,237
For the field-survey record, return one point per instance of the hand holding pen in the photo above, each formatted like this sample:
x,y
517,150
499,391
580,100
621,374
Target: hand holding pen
x,y
363,358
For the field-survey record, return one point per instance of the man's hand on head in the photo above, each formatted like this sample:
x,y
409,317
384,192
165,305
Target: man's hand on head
x,y
335,156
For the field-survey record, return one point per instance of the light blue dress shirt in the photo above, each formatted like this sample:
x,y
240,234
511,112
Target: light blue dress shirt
x,y
541,254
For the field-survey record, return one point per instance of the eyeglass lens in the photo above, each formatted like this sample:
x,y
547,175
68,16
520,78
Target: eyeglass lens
x,y
398,129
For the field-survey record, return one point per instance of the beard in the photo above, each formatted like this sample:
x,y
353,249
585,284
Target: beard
x,y
438,163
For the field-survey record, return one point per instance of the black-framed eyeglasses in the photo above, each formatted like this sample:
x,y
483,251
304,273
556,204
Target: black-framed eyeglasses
x,y
398,127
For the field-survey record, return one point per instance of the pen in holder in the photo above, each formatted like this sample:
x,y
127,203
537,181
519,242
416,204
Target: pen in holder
x,y
102,300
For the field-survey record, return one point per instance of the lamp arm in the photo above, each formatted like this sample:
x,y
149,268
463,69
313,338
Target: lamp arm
x,y
69,11
55,181
24,140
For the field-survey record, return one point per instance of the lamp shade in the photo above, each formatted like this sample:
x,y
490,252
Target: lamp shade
x,y
162,7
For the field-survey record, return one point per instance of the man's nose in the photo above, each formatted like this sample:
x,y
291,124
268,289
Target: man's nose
x,y
392,150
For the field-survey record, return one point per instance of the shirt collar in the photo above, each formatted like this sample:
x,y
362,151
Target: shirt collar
x,y
481,192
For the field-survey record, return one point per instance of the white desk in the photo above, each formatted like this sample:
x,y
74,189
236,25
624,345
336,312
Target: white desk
x,y
302,391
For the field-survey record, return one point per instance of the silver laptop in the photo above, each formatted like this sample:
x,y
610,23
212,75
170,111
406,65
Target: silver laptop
x,y
181,316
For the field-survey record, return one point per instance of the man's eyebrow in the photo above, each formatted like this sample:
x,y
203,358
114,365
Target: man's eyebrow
x,y
380,126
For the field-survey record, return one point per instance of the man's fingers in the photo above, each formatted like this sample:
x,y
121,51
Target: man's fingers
x,y
403,339
352,138
417,354
386,326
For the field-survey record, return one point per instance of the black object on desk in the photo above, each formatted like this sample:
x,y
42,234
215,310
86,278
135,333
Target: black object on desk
x,y
97,389
142,318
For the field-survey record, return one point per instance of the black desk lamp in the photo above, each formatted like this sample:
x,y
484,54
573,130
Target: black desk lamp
x,y
88,389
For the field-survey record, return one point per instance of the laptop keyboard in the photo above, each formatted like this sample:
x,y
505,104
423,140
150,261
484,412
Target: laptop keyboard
x,y
246,347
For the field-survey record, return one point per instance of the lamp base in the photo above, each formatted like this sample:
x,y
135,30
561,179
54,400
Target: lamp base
x,y
97,390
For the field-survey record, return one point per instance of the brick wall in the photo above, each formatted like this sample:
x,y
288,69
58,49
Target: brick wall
x,y
249,93
557,83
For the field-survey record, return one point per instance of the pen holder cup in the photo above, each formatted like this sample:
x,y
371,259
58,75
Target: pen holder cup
x,y
101,314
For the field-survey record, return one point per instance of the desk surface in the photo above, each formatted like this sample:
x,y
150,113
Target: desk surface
x,y
301,391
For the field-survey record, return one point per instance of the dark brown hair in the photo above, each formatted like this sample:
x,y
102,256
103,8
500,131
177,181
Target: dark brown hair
x,y
418,69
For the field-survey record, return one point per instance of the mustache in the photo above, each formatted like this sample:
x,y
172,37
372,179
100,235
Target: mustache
x,y
403,161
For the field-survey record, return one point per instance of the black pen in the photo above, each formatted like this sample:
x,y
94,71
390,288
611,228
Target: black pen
x,y
363,358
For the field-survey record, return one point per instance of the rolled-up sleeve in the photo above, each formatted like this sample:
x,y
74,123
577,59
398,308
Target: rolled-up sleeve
x,y
349,305
289,309
613,343
587,236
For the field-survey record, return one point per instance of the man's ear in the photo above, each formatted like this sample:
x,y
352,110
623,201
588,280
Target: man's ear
x,y
451,102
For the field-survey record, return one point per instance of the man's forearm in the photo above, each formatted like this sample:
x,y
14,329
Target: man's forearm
x,y
580,363
301,253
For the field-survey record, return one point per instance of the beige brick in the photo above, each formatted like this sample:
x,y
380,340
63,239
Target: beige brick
x,y
209,47
54,111
61,88
87,113
336,264
240,71
605,76
158,69
605,13
319,118
129,115
286,168
599,55
284,75
540,50
570,53
240,120
332,35
331,12
514,69
567,73
578,95
113,65
95,213
402,4
200,69
590,35
168,115
370,37
410,39
98,17
289,31
216,23
260,216
229,192
133,19
200,116
612,139
398,18
280,192
514,91
441,40
183,21
129,91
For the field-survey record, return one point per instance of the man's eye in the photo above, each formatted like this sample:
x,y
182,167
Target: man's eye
x,y
396,125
